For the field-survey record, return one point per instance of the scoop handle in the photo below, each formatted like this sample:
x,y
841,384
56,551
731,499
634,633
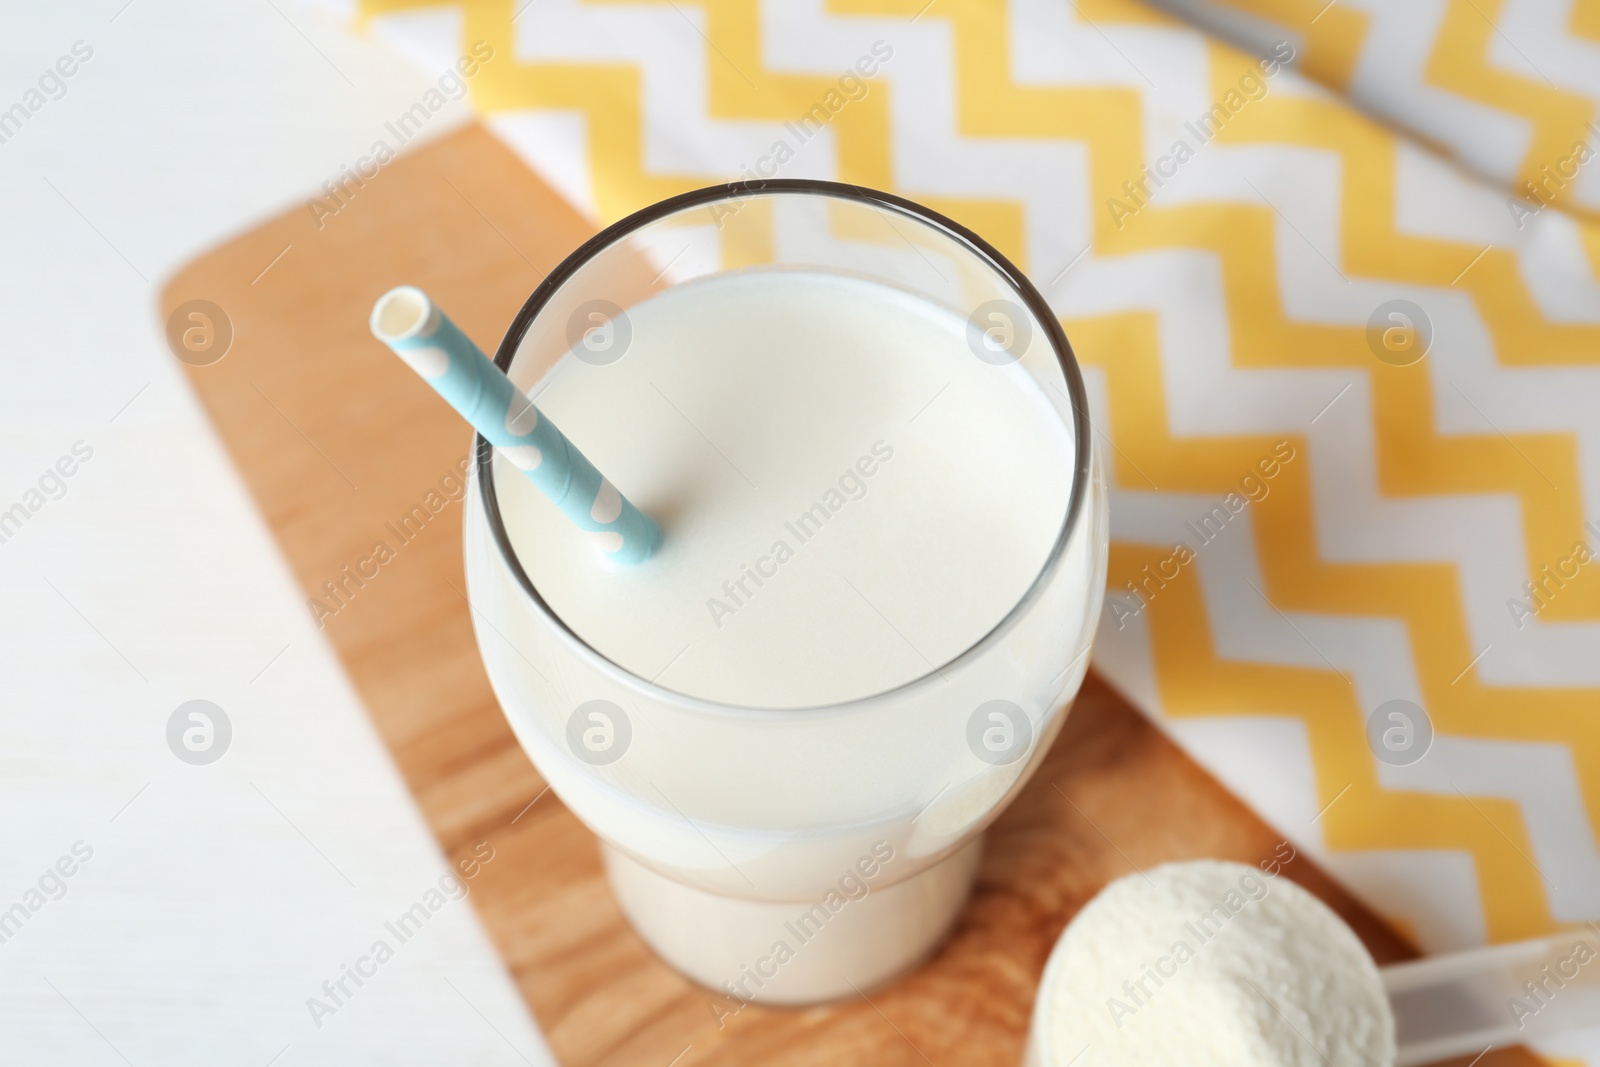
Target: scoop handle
x,y
1461,1003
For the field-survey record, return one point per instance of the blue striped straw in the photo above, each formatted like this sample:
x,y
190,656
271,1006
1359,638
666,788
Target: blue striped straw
x,y
422,335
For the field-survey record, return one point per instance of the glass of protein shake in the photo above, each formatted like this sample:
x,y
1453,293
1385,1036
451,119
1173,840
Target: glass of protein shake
x,y
866,442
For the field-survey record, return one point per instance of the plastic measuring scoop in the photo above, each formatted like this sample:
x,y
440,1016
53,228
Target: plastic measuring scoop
x,y
1465,1002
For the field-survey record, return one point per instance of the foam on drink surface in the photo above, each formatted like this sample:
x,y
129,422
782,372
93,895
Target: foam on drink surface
x,y
849,497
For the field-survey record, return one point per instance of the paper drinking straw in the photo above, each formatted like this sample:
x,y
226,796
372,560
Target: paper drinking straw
x,y
422,335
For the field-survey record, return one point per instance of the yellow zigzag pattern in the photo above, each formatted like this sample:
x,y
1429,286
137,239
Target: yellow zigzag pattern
x,y
1333,35
1410,461
1459,64
1540,469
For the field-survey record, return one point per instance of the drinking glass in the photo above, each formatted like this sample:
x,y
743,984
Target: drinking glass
x,y
793,855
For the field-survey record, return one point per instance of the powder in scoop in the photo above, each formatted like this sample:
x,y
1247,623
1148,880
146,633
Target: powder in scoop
x,y
1212,963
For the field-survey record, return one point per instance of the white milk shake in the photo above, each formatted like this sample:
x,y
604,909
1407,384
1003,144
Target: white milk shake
x,y
850,497
850,500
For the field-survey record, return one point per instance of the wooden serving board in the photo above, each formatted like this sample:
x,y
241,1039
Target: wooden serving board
x,y
336,439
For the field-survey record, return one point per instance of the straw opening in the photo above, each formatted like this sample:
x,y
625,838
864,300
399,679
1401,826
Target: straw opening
x,y
400,313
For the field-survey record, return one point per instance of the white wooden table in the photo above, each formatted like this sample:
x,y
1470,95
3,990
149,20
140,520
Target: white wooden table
x,y
215,899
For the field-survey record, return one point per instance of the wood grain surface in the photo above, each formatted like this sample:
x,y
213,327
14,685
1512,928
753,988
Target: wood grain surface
x,y
336,438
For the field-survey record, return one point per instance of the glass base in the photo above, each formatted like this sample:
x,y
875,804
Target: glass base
x,y
792,952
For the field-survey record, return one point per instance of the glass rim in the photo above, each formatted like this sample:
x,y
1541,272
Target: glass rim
x,y
1019,283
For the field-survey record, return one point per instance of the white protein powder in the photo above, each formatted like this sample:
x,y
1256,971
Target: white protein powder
x,y
1211,963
